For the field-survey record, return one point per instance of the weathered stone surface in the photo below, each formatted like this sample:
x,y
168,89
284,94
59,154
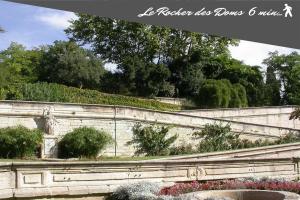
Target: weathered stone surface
x,y
42,179
118,121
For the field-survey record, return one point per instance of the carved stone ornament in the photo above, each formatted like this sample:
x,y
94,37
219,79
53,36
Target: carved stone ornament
x,y
50,120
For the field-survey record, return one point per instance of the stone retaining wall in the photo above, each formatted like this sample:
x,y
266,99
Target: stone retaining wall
x,y
274,116
118,121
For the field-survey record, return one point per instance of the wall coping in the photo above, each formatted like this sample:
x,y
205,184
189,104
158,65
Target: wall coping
x,y
148,110
270,147
47,164
243,108
122,106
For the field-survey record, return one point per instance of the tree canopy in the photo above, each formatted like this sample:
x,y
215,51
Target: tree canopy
x,y
19,64
154,61
287,74
114,40
69,64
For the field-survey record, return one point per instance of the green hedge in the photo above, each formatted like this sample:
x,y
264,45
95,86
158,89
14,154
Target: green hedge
x,y
83,142
20,142
51,92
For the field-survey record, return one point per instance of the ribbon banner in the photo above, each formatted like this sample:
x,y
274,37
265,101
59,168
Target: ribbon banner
x,y
267,21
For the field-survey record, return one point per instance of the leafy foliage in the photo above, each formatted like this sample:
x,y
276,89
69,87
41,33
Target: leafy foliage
x,y
151,60
67,63
215,137
248,76
218,137
18,65
221,94
151,140
272,88
51,92
19,142
144,79
83,142
182,149
146,42
287,68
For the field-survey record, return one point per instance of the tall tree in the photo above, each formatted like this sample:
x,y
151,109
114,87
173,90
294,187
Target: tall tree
x,y
115,40
171,50
288,69
272,88
67,63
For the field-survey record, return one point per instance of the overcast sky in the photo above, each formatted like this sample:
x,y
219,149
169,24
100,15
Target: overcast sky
x,y
33,26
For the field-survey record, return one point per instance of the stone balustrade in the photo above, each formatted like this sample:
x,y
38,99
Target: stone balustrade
x,y
50,179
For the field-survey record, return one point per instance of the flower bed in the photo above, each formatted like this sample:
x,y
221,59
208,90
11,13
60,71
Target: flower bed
x,y
279,185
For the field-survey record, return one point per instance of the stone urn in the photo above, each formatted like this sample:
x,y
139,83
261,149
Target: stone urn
x,y
244,195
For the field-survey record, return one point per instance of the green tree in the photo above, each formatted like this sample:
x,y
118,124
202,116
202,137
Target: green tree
x,y
19,65
115,40
171,50
272,88
67,63
143,79
250,77
187,75
288,69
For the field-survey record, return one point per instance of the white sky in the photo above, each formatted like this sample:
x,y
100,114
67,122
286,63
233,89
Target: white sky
x,y
253,53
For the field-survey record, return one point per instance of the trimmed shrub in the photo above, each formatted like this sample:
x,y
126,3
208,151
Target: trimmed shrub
x,y
52,92
151,140
19,142
83,142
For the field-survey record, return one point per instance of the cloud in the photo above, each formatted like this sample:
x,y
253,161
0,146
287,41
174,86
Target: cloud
x,y
56,19
253,53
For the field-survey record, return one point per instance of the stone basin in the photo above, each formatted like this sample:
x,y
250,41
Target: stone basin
x,y
246,195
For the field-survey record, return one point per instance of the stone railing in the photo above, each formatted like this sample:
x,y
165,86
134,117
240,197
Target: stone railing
x,y
50,179
274,116
273,151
